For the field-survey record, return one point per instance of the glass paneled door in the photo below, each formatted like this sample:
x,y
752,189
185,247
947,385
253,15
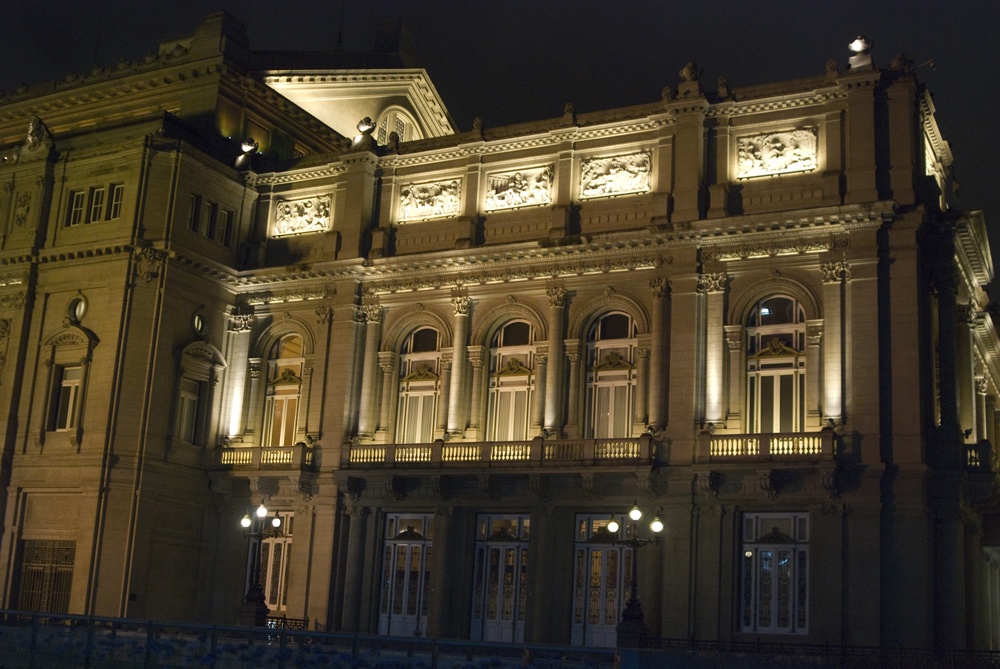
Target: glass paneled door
x,y
600,580
501,572
406,569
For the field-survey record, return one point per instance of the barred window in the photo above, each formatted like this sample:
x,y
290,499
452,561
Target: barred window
x,y
46,576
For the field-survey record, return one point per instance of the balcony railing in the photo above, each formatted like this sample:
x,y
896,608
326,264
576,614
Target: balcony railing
x,y
298,457
778,446
537,452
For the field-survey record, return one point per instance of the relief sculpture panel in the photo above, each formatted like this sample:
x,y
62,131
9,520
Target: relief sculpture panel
x,y
521,188
432,199
296,217
615,175
777,153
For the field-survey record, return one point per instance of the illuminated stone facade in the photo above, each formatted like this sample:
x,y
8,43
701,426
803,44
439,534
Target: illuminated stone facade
x,y
443,359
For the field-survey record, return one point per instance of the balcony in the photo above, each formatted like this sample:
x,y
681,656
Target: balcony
x,y
298,457
782,446
537,453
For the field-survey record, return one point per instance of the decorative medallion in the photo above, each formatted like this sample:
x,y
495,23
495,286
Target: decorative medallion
x,y
522,188
431,199
615,175
777,153
299,217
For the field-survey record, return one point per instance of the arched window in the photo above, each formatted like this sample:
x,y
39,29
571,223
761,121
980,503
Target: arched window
x,y
611,376
395,120
284,387
511,382
776,365
419,386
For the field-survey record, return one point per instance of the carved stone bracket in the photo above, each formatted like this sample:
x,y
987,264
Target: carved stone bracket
x,y
966,314
766,483
645,482
708,483
590,484
830,479
147,264
537,484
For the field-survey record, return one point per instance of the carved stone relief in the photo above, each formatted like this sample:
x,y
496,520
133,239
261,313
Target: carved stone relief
x,y
615,175
22,207
296,217
522,188
777,153
432,199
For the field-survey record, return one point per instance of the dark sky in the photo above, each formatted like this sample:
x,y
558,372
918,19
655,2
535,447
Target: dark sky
x,y
520,60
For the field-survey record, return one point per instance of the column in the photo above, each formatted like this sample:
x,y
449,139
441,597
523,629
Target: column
x,y
370,371
240,325
456,424
444,395
538,399
714,286
573,430
814,336
439,607
833,369
476,410
946,284
553,380
737,372
641,385
355,569
387,363
658,365
964,371
981,387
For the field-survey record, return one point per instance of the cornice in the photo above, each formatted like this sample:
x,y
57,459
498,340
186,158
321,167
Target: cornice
x,y
332,169
941,147
775,104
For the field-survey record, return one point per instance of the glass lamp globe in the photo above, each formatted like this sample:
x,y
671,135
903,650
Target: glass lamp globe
x,y
657,525
613,526
261,511
246,521
275,522
635,513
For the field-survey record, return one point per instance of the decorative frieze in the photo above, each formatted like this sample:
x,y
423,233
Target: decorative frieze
x,y
773,248
521,188
22,208
430,199
615,175
774,153
298,217
274,297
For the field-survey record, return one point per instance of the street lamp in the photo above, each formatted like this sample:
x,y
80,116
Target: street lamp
x,y
257,528
632,628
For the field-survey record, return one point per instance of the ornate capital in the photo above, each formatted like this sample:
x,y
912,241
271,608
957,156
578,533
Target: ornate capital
x,y
643,353
660,286
253,368
966,314
734,339
713,282
541,358
324,315
835,272
373,312
147,263
557,296
241,321
462,305
982,386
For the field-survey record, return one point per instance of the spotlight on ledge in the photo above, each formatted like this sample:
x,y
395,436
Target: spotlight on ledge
x,y
861,47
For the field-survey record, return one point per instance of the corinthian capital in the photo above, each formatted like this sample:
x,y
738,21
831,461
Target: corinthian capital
x,y
660,286
462,304
713,282
557,296
373,312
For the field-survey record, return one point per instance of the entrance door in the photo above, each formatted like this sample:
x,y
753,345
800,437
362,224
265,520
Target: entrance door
x,y
601,574
501,573
406,569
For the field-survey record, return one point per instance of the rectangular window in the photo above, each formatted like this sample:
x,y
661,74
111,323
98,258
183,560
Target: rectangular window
x,y
282,419
226,233
97,197
774,576
66,402
76,207
275,559
194,214
115,201
187,411
211,216
46,576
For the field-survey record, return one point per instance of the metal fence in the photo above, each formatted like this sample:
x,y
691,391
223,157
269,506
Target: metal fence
x,y
44,641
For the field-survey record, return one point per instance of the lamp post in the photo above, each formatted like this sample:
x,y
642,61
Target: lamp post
x,y
254,610
632,628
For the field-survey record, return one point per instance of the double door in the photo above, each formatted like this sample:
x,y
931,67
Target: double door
x,y
499,591
599,593
406,571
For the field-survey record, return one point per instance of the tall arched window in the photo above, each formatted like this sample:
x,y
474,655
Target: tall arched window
x,y
611,376
776,365
511,382
419,385
284,387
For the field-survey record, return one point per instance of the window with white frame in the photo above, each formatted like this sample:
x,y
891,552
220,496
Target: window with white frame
x,y
97,198
115,201
76,208
187,411
275,561
511,382
284,387
66,400
611,376
774,573
419,386
776,365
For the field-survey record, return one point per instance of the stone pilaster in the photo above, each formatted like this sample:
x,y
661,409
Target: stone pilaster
x,y
553,379
658,361
456,421
370,372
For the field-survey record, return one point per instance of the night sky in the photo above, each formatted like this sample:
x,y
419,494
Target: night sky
x,y
516,61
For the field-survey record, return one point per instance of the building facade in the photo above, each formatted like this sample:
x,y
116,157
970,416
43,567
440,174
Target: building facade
x,y
444,360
